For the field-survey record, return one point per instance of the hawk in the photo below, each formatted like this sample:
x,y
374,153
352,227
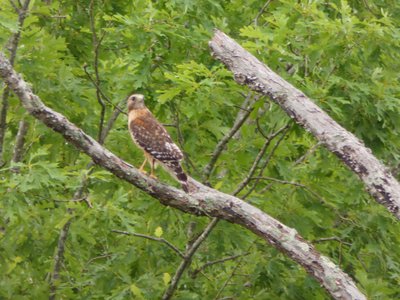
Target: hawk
x,y
157,145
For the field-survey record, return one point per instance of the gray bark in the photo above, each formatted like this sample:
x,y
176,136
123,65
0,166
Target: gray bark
x,y
248,70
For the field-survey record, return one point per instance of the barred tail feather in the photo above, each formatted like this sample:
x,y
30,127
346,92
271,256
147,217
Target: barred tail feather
x,y
178,172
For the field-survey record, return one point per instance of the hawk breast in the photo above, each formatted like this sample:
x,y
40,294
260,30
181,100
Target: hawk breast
x,y
152,137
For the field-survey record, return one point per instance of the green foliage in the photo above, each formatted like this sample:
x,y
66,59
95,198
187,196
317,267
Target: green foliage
x,y
343,54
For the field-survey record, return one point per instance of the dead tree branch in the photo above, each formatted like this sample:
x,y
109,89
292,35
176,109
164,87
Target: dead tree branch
x,y
349,149
205,201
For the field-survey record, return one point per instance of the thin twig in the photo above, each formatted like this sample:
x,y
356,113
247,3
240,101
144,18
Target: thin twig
x,y
16,9
316,195
368,7
259,156
96,47
114,115
19,143
97,257
260,129
221,144
13,46
267,160
187,260
188,162
218,261
58,259
309,152
152,238
232,273
107,99
261,12
333,238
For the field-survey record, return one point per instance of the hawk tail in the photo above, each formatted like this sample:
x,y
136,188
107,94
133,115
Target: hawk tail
x,y
178,172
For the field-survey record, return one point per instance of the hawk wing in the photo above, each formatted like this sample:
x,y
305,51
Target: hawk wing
x,y
152,137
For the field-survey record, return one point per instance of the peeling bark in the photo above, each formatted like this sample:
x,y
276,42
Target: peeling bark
x,y
248,70
205,201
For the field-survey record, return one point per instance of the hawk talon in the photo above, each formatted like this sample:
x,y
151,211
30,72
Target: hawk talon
x,y
153,176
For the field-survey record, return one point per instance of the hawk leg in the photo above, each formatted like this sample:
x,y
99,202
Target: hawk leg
x,y
152,164
141,169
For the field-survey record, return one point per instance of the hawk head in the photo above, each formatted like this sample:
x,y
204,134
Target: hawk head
x,y
135,101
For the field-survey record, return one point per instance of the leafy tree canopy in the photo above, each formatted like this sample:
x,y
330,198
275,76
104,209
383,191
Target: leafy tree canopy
x,y
343,54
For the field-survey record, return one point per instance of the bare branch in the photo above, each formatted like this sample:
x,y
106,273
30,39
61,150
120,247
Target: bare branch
x,y
308,153
58,259
259,156
98,257
250,71
261,12
114,116
152,238
218,261
231,275
205,201
16,9
221,144
104,96
96,47
187,161
333,238
267,160
19,143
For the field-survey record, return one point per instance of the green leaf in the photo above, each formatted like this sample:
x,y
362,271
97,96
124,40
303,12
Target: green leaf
x,y
136,291
158,232
166,278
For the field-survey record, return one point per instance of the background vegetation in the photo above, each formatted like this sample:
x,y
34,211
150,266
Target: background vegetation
x,y
84,57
